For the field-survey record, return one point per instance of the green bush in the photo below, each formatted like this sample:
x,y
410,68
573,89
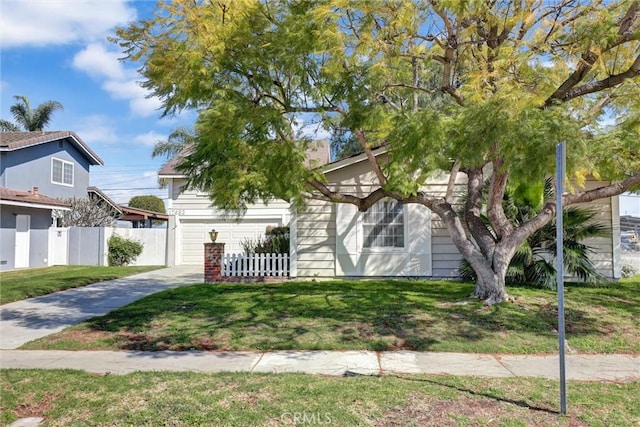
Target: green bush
x,y
276,241
123,251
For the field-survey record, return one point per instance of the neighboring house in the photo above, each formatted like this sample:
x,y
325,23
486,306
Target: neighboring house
x,y
55,162
25,218
32,164
392,239
191,216
139,218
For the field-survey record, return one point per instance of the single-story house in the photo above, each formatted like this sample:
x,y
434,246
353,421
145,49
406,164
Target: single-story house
x,y
25,219
391,239
191,215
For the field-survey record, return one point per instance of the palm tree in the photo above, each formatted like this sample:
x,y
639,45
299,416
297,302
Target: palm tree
x,y
177,141
7,126
29,119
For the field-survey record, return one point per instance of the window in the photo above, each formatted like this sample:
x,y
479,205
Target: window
x,y
61,172
383,225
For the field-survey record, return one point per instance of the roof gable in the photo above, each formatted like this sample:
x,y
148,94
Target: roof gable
x,y
12,141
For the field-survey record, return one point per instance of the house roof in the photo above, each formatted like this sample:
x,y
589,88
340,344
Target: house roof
x,y
32,199
351,160
11,141
96,193
317,155
135,214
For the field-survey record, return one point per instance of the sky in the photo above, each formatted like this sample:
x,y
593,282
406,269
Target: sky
x,y
58,50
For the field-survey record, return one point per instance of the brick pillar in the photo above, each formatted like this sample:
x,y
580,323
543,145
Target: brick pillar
x,y
213,255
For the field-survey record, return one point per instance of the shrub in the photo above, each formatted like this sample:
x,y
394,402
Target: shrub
x,y
629,270
275,241
123,251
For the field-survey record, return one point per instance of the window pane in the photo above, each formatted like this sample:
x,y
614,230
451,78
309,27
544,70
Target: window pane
x,y
68,173
56,171
383,225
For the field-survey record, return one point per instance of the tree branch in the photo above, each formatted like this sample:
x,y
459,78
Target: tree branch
x,y
372,159
609,82
499,221
473,212
610,190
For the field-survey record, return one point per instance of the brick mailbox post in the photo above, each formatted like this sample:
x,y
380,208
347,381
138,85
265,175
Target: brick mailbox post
x,y
213,254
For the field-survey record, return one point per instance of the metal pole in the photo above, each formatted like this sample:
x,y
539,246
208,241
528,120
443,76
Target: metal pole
x,y
560,173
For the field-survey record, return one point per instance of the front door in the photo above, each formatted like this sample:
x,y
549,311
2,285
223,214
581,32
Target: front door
x,y
22,241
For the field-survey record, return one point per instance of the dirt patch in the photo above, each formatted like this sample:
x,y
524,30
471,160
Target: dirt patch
x,y
84,336
420,410
33,407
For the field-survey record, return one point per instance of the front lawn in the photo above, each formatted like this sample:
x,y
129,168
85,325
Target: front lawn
x,y
20,284
65,397
355,315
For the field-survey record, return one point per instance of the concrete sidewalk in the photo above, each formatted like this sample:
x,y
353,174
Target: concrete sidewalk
x,y
27,320
614,367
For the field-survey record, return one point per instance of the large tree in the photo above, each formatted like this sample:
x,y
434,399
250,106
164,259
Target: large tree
x,y
27,118
479,88
86,212
149,202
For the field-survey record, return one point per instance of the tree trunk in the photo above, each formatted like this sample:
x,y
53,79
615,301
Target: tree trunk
x,y
490,283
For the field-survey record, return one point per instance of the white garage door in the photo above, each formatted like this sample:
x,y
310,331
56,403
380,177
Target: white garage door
x,y
194,233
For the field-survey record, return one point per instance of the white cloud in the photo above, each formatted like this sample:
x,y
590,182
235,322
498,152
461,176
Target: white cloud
x,y
150,138
306,125
97,61
45,22
96,129
119,82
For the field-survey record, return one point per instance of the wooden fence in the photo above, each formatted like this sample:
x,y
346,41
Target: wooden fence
x,y
255,265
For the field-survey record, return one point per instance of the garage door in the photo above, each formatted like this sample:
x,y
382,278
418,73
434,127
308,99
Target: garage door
x,y
194,233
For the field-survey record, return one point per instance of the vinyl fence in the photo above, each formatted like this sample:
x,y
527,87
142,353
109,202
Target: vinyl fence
x,y
89,245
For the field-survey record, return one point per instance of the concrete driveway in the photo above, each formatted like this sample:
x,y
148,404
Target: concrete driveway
x,y
24,321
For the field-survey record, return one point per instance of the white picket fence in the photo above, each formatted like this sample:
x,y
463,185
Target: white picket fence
x,y
256,265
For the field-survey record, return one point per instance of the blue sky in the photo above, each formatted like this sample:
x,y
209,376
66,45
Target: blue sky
x,y
58,50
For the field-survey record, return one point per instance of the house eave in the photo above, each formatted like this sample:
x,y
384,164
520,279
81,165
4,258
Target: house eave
x,y
343,163
34,205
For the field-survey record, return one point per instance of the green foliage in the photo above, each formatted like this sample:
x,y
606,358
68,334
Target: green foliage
x,y
256,70
149,203
122,251
275,241
478,86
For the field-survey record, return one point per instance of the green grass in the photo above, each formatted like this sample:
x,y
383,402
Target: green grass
x,y
20,284
65,397
372,315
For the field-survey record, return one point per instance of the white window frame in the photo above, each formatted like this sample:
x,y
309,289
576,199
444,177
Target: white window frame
x,y
64,162
385,249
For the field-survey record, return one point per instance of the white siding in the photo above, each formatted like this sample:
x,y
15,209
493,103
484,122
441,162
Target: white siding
x,y
194,217
316,236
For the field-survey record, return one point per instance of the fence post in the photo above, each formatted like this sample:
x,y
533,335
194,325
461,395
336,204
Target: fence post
x,y
213,259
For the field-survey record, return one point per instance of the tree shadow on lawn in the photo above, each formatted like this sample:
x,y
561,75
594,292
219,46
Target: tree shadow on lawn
x,y
443,383
376,315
